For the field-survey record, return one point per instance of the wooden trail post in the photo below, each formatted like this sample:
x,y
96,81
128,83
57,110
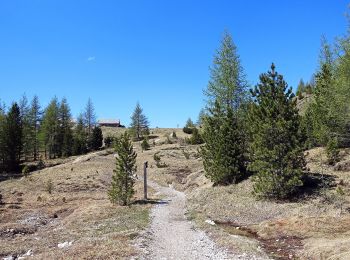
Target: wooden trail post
x,y
145,166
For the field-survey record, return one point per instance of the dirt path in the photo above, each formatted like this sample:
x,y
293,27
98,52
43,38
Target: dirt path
x,y
172,236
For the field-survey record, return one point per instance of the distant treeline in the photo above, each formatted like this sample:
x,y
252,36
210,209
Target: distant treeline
x,y
30,133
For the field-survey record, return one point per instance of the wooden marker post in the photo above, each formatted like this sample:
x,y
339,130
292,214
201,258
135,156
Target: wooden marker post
x,y
145,166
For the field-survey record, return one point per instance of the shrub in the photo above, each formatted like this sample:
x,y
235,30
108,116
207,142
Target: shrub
x,y
186,154
196,137
157,159
173,135
28,168
108,141
145,145
188,130
332,151
49,186
40,165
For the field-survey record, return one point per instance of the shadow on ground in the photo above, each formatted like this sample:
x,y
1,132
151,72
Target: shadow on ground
x,y
151,201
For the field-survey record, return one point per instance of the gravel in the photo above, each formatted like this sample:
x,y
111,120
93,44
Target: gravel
x,y
172,236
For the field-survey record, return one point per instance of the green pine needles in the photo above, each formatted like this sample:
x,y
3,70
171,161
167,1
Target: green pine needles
x,y
277,157
224,131
224,150
122,188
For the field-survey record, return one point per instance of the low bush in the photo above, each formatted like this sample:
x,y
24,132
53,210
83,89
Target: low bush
x,y
108,141
157,159
49,186
145,145
188,130
28,169
332,151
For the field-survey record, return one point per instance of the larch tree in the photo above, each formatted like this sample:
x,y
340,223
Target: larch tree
x,y
90,117
122,187
35,115
224,128
26,131
65,129
50,129
80,137
276,148
139,122
228,84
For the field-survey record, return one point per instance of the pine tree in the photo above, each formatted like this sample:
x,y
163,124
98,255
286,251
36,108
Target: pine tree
x,y
122,181
276,150
96,139
224,150
139,122
228,84
50,129
13,140
35,115
65,129
90,117
224,128
79,137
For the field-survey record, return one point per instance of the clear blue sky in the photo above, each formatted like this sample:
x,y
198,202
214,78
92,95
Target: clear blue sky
x,y
156,52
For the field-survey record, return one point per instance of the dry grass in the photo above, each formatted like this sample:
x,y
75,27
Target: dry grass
x,y
315,226
77,210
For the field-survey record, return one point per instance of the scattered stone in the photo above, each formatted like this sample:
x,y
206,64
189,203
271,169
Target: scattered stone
x,y
64,244
210,222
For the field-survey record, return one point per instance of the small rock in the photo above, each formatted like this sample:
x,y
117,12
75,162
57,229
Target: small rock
x,y
210,222
65,244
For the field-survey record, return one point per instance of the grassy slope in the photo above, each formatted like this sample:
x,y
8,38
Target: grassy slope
x,y
78,210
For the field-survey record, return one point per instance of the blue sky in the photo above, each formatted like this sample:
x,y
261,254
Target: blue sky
x,y
156,52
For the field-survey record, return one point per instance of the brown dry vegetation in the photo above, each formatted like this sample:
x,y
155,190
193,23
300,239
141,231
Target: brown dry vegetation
x,y
316,225
77,210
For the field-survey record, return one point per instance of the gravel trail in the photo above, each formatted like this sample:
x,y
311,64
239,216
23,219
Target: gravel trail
x,y
172,236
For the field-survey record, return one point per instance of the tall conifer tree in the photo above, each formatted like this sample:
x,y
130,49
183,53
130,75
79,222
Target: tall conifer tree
x,y
122,188
65,132
139,122
276,153
13,140
35,115
50,129
224,128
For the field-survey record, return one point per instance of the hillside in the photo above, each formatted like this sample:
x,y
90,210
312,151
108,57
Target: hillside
x,y
77,220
